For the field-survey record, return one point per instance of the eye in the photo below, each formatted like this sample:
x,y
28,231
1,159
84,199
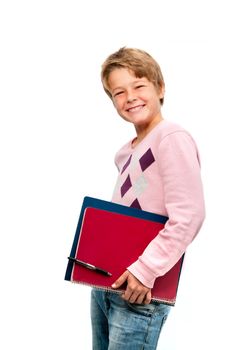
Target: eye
x,y
139,86
118,93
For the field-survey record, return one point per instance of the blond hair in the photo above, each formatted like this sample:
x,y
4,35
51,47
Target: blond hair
x,y
138,61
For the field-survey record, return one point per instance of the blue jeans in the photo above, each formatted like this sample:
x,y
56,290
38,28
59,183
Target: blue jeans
x,y
119,325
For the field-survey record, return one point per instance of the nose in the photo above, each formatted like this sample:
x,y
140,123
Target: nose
x,y
131,95
131,99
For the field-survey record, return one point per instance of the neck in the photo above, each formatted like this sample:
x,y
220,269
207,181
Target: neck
x,y
143,130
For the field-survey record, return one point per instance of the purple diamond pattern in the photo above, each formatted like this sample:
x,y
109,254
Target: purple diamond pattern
x,y
136,204
146,160
126,164
126,186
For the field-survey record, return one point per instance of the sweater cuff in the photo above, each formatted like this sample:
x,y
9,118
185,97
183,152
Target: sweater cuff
x,y
142,273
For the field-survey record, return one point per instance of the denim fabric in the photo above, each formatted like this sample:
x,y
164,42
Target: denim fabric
x,y
119,325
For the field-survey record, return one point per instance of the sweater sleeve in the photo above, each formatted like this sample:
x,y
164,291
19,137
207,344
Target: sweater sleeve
x,y
179,169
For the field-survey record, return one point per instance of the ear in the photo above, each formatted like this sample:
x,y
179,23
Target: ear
x,y
161,91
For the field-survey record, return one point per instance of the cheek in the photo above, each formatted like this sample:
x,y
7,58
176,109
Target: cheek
x,y
144,97
152,100
117,108
118,103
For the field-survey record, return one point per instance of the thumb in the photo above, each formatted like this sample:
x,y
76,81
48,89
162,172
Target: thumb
x,y
120,280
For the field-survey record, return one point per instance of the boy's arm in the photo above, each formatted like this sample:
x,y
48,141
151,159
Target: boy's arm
x,y
180,172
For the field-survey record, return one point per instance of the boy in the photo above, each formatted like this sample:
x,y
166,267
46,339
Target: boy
x,y
159,171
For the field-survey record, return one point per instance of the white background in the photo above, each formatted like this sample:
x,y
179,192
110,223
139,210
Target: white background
x,y
59,134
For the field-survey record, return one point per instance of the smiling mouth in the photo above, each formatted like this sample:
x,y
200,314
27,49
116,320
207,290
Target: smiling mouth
x,y
135,109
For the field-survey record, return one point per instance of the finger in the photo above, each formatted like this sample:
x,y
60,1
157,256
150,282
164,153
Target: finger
x,y
129,296
132,293
147,298
128,293
120,280
140,299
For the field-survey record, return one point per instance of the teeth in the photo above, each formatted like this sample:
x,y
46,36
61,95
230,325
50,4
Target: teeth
x,y
134,109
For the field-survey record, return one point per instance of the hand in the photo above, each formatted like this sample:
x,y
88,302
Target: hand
x,y
135,291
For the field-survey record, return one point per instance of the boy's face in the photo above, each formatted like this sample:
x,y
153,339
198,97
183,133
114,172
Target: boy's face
x,y
135,99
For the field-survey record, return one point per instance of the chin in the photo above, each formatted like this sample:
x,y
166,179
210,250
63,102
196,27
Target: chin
x,y
137,120
140,121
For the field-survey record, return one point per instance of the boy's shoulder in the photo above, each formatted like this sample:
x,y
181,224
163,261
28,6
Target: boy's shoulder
x,y
160,132
167,127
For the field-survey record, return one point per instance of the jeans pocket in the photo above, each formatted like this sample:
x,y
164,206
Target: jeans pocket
x,y
141,309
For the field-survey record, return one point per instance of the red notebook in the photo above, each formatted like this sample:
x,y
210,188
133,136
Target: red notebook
x,y
112,241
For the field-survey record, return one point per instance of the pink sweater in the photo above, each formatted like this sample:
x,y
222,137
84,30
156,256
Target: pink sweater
x,y
162,175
